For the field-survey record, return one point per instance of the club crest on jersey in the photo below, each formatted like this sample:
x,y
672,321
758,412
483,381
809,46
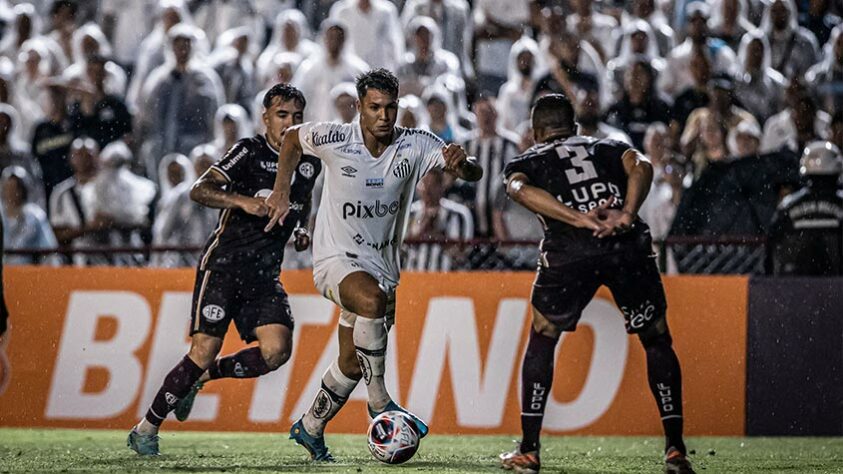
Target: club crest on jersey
x,y
213,312
306,170
402,170
349,171
374,182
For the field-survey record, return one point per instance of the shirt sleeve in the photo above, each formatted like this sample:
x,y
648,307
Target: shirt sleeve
x,y
316,137
432,156
233,165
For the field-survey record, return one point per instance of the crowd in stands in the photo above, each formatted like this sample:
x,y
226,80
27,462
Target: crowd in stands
x,y
109,109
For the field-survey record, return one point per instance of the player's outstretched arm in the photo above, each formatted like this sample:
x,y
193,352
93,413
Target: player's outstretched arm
x,y
460,165
278,200
209,191
542,202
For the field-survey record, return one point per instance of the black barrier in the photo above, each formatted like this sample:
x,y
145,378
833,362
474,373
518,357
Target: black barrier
x,y
795,357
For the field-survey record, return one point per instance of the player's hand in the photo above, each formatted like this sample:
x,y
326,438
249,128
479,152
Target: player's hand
x,y
302,239
454,156
254,206
615,221
278,206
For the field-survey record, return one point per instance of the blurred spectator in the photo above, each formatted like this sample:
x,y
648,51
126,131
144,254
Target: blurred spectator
x,y
826,77
14,152
568,58
181,99
63,26
587,108
318,74
89,42
291,35
498,24
28,112
759,87
744,140
640,105
374,32
443,118
819,19
597,29
695,95
717,119
412,113
155,47
516,95
99,114
433,216
836,130
729,21
51,140
799,124
426,60
174,170
805,235
344,96
126,23
677,74
231,123
494,148
659,208
33,71
28,26
280,70
456,24
794,49
646,10
215,17
181,221
25,223
637,44
233,63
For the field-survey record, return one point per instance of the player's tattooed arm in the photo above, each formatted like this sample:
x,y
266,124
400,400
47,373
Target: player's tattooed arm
x,y
538,200
460,165
209,190
278,200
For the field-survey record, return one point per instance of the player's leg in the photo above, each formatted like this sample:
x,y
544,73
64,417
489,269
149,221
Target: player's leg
x,y
637,288
558,298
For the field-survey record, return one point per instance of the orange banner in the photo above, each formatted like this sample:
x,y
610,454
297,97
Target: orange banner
x,y
89,348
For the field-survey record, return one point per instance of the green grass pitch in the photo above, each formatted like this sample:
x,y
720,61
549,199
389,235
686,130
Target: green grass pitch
x,y
24,450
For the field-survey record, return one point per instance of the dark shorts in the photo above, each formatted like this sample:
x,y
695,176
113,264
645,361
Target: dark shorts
x,y
561,292
220,297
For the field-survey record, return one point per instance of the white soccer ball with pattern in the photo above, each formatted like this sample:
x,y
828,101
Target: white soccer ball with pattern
x,y
393,438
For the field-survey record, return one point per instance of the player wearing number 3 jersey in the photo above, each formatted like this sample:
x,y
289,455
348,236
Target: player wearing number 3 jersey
x,y
371,171
586,192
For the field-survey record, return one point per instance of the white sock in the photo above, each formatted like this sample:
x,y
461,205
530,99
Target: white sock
x,y
370,341
144,427
336,387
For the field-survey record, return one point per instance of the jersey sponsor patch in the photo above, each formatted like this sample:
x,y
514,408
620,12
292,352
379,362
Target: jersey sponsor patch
x,y
306,170
233,161
213,312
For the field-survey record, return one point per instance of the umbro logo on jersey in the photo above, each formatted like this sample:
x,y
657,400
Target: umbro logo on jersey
x,y
402,170
349,171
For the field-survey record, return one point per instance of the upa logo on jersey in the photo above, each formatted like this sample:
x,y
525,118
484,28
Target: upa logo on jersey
x,y
213,312
363,210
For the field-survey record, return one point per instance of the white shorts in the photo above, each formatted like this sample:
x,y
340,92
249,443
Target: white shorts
x,y
329,273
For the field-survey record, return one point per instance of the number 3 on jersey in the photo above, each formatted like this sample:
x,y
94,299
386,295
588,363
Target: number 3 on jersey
x,y
583,170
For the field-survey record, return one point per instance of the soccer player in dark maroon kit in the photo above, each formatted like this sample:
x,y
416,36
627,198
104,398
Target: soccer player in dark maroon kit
x,y
237,277
587,192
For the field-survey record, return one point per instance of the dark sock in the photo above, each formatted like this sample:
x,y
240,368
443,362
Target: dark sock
x,y
245,364
665,380
176,385
536,379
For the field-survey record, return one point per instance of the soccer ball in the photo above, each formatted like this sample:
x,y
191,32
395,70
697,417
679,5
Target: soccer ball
x,y
393,438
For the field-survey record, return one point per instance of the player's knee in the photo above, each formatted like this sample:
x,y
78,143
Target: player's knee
x,y
372,305
655,335
275,355
204,350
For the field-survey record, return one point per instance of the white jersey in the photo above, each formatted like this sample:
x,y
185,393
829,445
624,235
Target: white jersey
x,y
366,201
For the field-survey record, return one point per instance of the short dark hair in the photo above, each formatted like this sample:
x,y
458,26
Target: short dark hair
x,y
286,92
380,79
61,4
553,111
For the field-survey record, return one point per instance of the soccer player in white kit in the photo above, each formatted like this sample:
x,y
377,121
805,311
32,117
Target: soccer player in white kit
x,y
371,171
